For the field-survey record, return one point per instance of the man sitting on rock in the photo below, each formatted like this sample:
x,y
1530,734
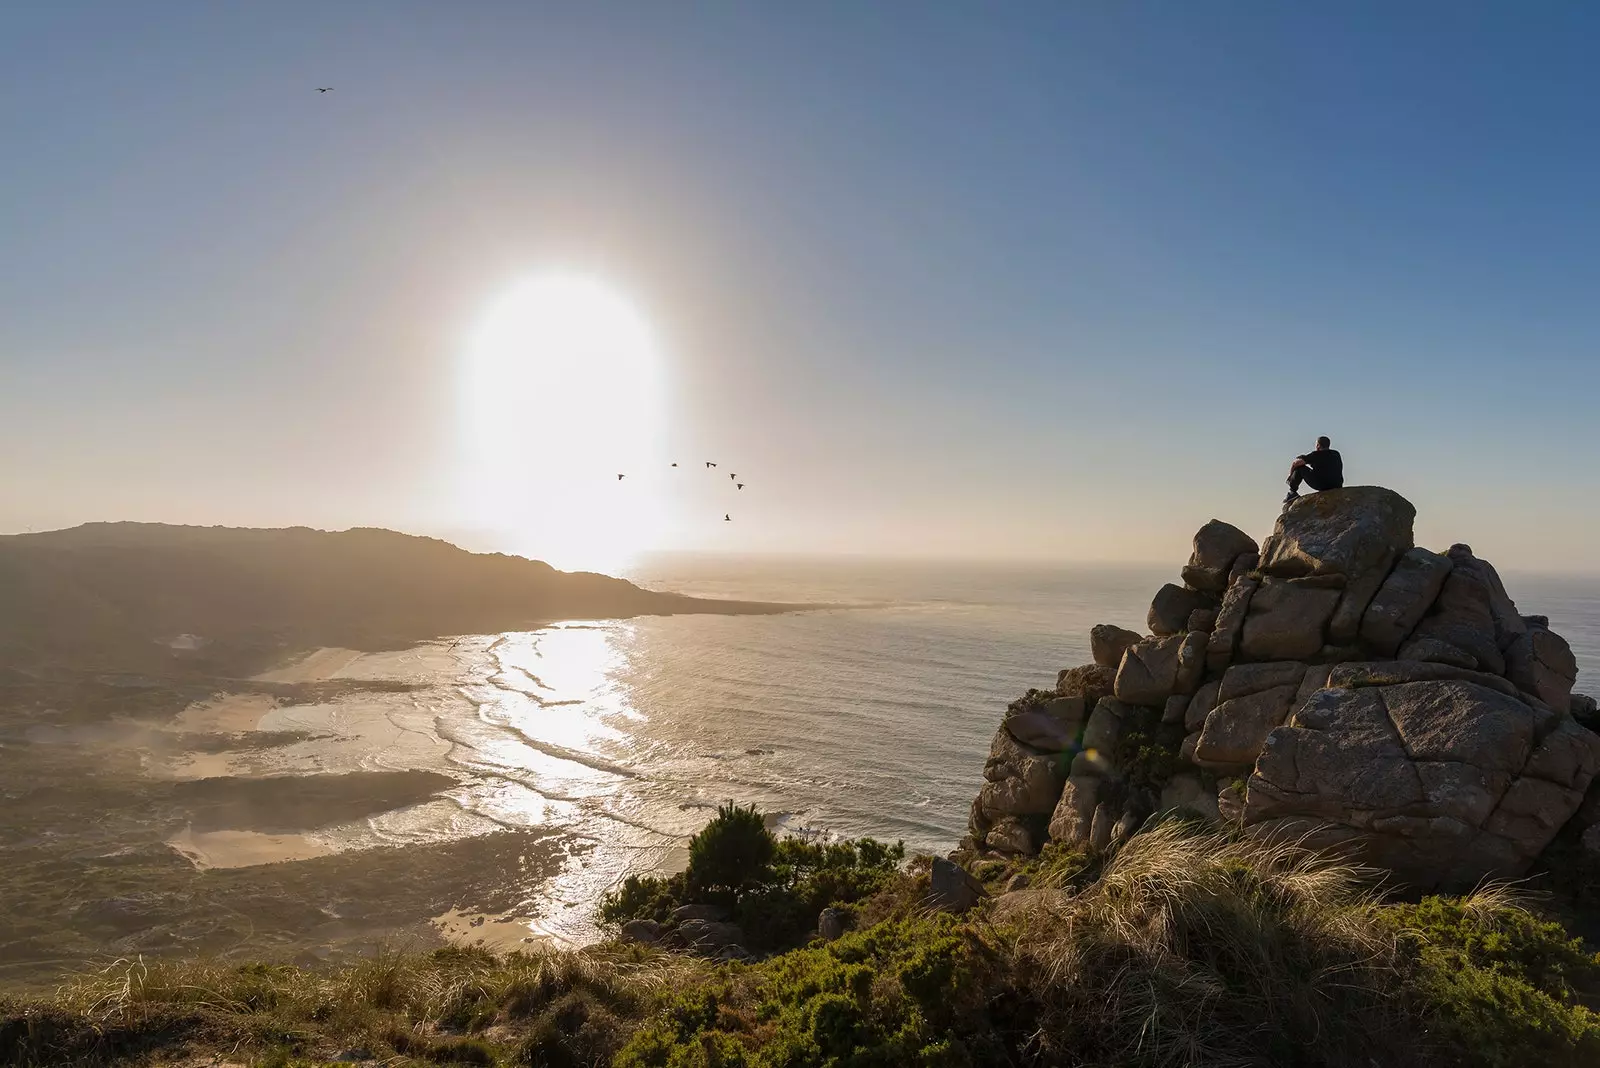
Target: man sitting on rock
x,y
1322,469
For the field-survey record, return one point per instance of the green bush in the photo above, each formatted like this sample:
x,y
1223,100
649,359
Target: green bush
x,y
730,856
911,992
1495,980
776,890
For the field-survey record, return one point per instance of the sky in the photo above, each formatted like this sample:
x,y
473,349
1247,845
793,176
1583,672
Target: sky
x,y
1041,281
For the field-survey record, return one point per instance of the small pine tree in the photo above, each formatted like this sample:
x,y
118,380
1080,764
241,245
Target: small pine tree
x,y
731,855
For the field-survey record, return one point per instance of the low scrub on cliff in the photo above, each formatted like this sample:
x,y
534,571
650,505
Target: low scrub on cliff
x,y
774,888
1179,948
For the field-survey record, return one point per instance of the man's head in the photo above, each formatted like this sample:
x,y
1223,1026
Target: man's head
x,y
1323,442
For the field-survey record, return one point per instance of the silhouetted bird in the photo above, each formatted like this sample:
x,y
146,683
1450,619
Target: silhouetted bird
x,y
619,478
710,464
674,465
733,478
726,518
738,485
329,89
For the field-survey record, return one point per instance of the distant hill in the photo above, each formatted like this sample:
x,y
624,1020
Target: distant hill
x,y
118,596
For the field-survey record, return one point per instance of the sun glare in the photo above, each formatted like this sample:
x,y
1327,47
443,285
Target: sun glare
x,y
563,393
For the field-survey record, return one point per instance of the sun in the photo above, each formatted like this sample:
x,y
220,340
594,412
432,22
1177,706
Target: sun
x,y
562,392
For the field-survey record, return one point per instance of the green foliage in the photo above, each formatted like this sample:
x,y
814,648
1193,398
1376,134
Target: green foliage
x,y
1179,948
644,897
730,856
1499,982
1145,758
788,882
910,992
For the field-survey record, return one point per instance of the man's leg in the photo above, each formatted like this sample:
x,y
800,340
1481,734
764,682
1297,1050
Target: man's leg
x,y
1310,477
1297,475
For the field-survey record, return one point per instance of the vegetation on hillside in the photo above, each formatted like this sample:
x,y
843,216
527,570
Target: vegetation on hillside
x,y
1183,947
774,888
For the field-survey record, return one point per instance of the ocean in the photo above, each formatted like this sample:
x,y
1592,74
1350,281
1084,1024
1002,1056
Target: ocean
x,y
869,717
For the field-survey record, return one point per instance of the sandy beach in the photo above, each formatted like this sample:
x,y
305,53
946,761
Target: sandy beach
x,y
319,666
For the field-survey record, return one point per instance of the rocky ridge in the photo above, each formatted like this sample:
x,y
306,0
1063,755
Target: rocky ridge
x,y
1336,684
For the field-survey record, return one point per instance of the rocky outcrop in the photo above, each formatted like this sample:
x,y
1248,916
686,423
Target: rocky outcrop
x,y
1339,685
1107,644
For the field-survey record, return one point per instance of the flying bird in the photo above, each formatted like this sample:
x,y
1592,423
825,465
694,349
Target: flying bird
x,y
710,464
674,465
619,478
726,518
738,485
733,478
329,89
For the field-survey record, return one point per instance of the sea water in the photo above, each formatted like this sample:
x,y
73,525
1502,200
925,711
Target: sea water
x,y
869,717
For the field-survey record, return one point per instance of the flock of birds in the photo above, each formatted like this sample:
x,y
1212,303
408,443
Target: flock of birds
x,y
734,478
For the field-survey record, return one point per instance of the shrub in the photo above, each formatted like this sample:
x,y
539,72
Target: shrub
x,y
1494,979
730,856
776,891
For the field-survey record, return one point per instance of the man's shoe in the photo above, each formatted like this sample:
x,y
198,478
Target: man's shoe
x,y
1291,498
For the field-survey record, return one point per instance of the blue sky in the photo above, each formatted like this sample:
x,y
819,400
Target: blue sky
x,y
1056,280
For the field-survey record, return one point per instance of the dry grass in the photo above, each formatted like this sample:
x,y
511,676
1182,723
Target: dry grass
x,y
1198,949
416,1004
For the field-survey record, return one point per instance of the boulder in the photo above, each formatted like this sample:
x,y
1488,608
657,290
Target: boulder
x,y
714,913
1110,721
1172,606
1242,680
1191,662
707,936
1217,545
1442,783
1187,792
1074,814
1244,567
1090,682
1049,727
1011,835
1177,706
1200,706
1107,644
1403,599
1202,619
1586,711
1540,662
1437,651
1031,794
951,887
1352,532
1462,616
831,923
1149,671
1394,672
1286,620
645,932
1508,622
1020,881
1236,729
1223,644
1102,827
1205,579
1007,756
